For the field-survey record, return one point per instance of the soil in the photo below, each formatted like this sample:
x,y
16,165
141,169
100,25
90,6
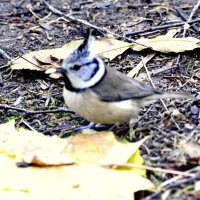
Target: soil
x,y
21,32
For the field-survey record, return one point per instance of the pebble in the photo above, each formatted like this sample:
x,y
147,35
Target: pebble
x,y
188,126
194,110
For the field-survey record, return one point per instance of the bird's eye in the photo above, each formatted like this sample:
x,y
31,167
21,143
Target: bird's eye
x,y
76,67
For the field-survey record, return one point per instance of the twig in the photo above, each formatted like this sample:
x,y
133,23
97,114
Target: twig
x,y
30,112
173,185
176,178
163,69
156,28
190,17
184,18
28,125
72,18
187,27
21,56
144,5
188,180
29,7
18,4
157,169
163,103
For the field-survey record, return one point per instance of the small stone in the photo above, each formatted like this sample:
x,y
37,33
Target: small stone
x,y
176,112
194,110
188,126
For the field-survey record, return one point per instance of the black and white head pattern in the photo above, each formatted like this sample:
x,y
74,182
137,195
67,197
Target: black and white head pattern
x,y
83,68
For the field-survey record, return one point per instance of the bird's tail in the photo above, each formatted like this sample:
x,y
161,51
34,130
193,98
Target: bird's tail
x,y
168,95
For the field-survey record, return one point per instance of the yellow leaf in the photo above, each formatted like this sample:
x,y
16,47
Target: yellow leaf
x,y
137,68
165,44
137,159
32,147
66,181
109,47
42,60
69,182
101,148
170,34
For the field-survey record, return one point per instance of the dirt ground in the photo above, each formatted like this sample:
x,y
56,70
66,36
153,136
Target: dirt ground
x,y
21,31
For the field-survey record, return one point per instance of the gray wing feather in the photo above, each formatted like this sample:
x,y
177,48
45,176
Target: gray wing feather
x,y
118,87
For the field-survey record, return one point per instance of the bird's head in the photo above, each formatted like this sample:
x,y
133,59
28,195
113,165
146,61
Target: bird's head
x,y
81,67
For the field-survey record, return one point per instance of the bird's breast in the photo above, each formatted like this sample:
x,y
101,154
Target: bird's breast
x,y
88,105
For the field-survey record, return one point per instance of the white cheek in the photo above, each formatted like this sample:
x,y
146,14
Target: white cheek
x,y
82,80
85,73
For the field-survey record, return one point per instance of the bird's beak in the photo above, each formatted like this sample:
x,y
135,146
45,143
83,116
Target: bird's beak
x,y
59,69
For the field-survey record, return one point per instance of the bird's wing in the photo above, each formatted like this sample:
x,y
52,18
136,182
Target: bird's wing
x,y
118,87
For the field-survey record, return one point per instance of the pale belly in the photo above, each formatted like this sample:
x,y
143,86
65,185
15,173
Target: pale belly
x,y
87,105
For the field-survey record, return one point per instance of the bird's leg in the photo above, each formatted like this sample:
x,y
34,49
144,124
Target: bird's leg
x,y
92,125
133,122
89,126
132,127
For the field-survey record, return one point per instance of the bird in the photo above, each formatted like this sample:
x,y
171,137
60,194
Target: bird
x,y
101,94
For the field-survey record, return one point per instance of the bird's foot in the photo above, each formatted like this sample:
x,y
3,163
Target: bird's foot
x,y
96,127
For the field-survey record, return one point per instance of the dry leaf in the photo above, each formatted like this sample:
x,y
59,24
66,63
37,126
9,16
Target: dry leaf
x,y
101,148
71,182
165,44
108,47
80,181
192,150
32,147
27,62
136,69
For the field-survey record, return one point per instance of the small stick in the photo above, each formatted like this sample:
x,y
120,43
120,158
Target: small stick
x,y
157,169
163,69
30,112
28,125
157,28
187,27
184,18
72,18
173,185
163,103
190,17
